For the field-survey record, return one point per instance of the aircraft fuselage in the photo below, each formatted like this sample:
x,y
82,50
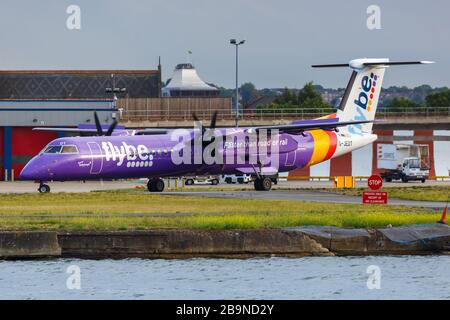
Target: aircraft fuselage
x,y
128,156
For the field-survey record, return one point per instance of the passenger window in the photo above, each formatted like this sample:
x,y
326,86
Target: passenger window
x,y
69,149
53,149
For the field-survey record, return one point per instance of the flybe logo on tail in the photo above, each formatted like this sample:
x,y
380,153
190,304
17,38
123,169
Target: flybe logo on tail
x,y
365,98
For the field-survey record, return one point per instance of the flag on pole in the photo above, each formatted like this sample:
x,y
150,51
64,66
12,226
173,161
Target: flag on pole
x,y
189,52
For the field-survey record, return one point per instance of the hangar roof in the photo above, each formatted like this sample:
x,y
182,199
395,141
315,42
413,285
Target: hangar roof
x,y
77,84
87,71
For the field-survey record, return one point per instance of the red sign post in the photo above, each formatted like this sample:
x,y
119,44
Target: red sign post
x,y
374,197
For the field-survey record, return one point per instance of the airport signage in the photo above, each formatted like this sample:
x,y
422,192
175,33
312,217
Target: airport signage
x,y
375,182
374,197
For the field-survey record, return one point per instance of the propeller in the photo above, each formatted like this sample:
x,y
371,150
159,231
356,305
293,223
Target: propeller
x,y
212,126
213,123
100,129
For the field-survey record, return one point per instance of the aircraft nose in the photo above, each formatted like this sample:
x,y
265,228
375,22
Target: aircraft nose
x,y
27,173
32,171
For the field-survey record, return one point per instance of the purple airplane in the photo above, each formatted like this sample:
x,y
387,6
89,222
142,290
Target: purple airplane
x,y
259,151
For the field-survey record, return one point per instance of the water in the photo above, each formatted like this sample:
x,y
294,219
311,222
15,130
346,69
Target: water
x,y
408,277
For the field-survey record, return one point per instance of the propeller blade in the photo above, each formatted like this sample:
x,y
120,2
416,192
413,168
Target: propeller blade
x,y
213,121
98,125
111,128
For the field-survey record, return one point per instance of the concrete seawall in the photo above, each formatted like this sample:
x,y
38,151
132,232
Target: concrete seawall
x,y
29,244
177,243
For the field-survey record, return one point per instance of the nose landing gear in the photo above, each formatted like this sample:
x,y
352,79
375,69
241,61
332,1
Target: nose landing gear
x,y
155,185
43,188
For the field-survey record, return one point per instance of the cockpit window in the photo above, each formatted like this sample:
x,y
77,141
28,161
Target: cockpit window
x,y
69,149
53,149
61,149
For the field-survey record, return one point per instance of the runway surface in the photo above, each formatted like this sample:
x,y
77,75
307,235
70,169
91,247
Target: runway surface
x,y
302,195
234,191
78,186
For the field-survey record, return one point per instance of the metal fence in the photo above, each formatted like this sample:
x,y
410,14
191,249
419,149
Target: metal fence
x,y
181,109
155,109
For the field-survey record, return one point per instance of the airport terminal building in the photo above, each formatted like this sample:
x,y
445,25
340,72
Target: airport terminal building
x,y
60,98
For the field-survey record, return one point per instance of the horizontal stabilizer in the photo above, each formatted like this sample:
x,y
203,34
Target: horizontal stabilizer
x,y
358,64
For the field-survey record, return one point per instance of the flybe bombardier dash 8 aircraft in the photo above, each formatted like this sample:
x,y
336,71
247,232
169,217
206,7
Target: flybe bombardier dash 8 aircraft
x,y
260,151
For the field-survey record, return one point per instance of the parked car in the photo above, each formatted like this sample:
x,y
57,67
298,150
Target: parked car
x,y
244,178
237,178
213,180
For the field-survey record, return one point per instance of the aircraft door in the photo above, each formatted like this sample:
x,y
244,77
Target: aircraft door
x,y
96,157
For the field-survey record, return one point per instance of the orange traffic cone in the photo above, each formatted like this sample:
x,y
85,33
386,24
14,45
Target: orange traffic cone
x,y
444,215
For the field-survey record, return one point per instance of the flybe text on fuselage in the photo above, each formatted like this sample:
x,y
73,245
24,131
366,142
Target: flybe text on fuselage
x,y
135,155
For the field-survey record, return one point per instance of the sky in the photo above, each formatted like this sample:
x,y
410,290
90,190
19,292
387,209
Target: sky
x,y
283,38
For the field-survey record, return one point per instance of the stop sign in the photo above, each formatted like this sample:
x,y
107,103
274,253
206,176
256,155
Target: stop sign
x,y
375,182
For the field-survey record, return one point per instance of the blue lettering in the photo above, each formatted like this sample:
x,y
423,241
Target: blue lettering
x,y
366,83
357,128
362,100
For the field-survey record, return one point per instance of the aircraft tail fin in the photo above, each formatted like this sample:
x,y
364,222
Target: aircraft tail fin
x,y
360,99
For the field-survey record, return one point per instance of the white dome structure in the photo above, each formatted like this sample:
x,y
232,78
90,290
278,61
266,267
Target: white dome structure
x,y
186,82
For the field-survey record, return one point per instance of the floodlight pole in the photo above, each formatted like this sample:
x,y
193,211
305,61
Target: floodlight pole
x,y
237,44
114,90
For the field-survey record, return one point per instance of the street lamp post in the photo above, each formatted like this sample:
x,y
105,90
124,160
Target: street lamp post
x,y
115,90
237,44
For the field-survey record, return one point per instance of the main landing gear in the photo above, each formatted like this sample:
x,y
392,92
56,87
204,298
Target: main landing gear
x,y
43,188
155,185
263,184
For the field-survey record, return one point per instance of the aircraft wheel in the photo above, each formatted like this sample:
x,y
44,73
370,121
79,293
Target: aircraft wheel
x,y
155,185
150,186
159,185
44,188
257,184
266,184
263,184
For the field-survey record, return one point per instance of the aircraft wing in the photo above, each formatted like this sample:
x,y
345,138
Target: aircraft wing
x,y
81,130
151,131
294,127
311,125
94,131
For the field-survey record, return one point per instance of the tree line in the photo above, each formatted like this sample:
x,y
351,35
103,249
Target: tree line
x,y
310,97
